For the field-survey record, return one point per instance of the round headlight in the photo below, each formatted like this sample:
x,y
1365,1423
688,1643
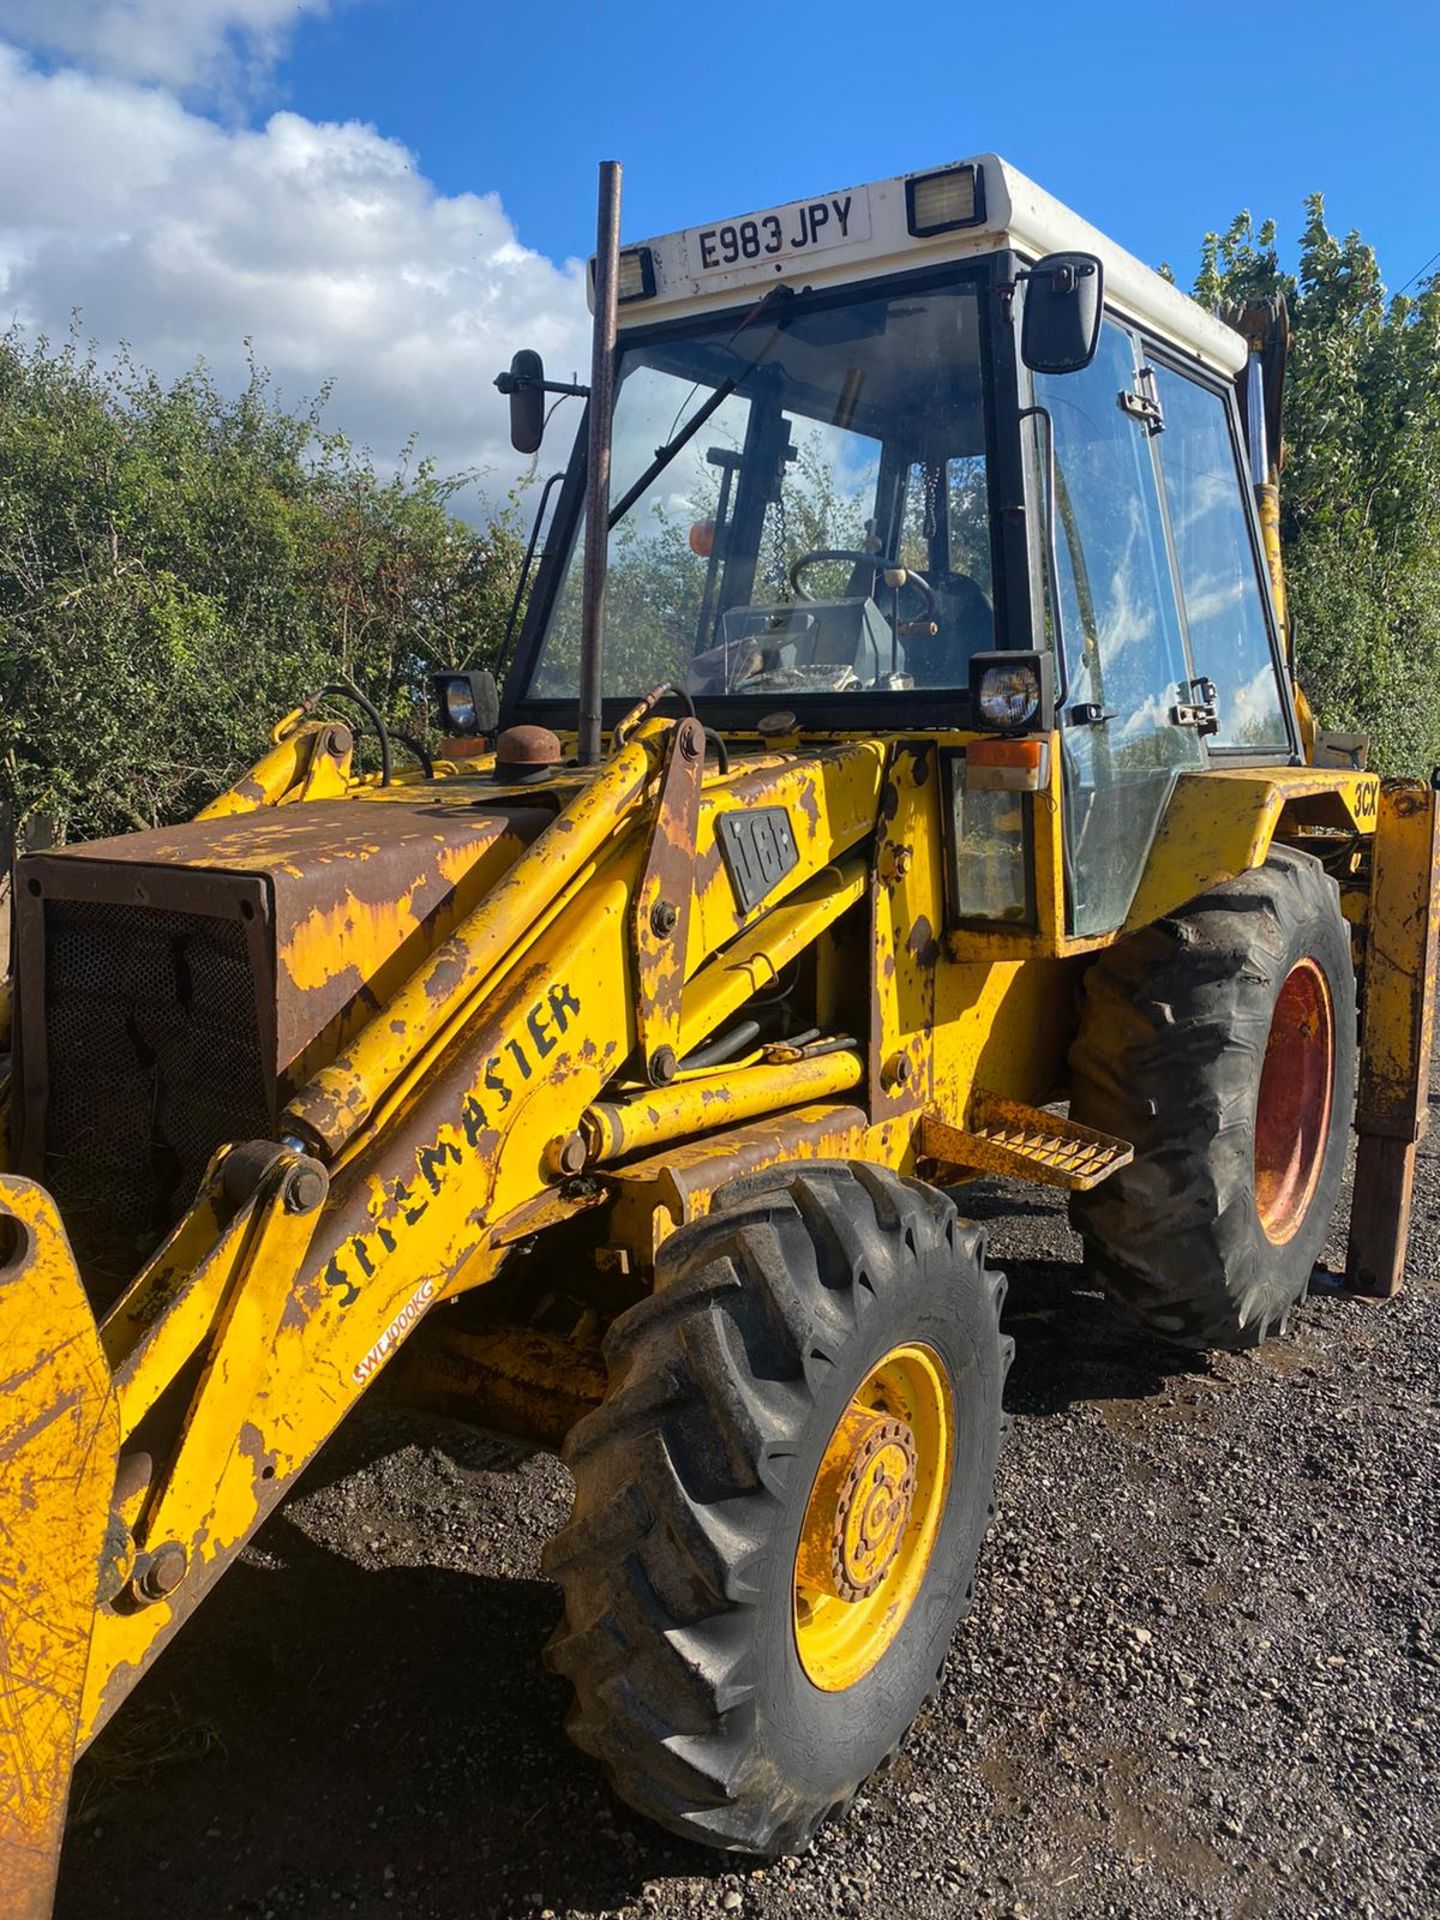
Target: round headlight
x,y
1009,696
459,701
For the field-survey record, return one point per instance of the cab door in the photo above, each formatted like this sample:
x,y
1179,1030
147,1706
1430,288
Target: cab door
x,y
1127,715
1218,562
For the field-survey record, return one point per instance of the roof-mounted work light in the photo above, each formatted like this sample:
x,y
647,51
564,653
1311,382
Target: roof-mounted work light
x,y
937,202
637,276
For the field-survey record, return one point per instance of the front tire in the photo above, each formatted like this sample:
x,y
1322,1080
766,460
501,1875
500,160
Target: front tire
x,y
1221,1042
780,1503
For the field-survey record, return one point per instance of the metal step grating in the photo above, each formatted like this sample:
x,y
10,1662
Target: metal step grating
x,y
1024,1143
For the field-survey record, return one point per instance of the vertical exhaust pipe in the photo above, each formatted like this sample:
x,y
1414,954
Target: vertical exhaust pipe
x,y
597,471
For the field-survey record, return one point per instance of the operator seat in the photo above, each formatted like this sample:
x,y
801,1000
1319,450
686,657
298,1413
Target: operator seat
x,y
966,625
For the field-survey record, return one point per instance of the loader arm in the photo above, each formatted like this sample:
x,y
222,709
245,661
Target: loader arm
x,y
403,1173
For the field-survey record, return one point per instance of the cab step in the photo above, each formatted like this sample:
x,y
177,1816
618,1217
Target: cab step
x,y
1024,1143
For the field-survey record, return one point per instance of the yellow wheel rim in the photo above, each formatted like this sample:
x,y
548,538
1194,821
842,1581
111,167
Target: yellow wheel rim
x,y
873,1516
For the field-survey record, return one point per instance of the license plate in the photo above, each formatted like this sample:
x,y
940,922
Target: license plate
x,y
806,226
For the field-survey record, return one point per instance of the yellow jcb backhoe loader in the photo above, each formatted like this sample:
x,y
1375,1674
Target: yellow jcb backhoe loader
x,y
931,759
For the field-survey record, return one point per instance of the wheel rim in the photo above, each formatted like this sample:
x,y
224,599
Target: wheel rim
x,y
1292,1115
873,1516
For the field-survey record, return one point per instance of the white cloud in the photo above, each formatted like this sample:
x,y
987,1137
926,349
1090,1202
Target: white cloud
x,y
181,43
322,244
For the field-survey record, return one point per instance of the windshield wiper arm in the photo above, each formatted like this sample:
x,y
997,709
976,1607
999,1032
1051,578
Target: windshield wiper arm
x,y
780,296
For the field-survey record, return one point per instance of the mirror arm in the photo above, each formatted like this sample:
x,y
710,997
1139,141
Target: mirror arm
x,y
1067,275
508,383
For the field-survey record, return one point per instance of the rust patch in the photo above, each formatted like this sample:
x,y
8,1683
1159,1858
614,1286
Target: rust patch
x,y
922,943
445,975
663,897
251,1443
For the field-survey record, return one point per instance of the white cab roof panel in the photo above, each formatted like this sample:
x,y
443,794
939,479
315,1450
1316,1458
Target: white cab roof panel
x,y
860,233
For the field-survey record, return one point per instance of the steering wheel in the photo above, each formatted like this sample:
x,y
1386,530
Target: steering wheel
x,y
882,563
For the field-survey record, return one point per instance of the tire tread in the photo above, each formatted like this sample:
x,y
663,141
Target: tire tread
x,y
654,1560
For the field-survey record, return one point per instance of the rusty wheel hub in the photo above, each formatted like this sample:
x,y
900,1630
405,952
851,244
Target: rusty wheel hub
x,y
1292,1111
861,1506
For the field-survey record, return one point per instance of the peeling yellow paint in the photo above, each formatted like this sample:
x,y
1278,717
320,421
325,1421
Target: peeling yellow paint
x,y
353,936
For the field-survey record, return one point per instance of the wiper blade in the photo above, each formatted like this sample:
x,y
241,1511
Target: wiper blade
x,y
780,296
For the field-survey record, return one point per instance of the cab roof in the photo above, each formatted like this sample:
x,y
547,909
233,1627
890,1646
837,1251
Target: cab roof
x,y
860,233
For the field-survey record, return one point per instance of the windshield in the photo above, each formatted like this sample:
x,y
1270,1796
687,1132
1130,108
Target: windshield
x,y
825,528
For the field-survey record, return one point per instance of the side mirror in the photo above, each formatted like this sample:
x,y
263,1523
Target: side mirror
x,y
525,384
1064,298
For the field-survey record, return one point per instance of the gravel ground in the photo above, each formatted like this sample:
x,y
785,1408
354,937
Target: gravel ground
x,y
1201,1677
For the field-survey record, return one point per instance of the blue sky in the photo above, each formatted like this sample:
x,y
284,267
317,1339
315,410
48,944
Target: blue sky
x,y
385,198
1156,123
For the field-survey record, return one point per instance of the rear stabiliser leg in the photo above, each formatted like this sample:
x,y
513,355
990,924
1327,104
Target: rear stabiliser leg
x,y
1398,1034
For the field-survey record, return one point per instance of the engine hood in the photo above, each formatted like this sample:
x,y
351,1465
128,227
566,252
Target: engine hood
x,y
176,987
343,897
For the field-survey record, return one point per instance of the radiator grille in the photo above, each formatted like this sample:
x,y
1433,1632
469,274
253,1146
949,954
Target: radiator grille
x,y
153,1061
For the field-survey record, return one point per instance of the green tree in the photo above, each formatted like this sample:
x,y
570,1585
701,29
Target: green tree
x,y
179,567
1360,489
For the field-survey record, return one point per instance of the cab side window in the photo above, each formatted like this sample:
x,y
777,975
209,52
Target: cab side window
x,y
1217,565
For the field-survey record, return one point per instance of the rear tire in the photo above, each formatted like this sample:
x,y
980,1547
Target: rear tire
x,y
683,1621
1221,1042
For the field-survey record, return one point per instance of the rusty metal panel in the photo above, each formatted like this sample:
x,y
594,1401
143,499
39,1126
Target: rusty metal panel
x,y
829,797
1397,1035
906,910
350,887
1021,1142
423,1001
59,1444
1402,945
660,911
1220,822
175,984
356,912
654,1196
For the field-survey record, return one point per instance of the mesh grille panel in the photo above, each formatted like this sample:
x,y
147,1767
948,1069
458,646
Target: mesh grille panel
x,y
154,1061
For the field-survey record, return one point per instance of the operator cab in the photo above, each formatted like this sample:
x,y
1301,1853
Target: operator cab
x,y
931,454
826,529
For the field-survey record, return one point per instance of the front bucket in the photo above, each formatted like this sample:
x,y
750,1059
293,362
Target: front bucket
x,y
59,1443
